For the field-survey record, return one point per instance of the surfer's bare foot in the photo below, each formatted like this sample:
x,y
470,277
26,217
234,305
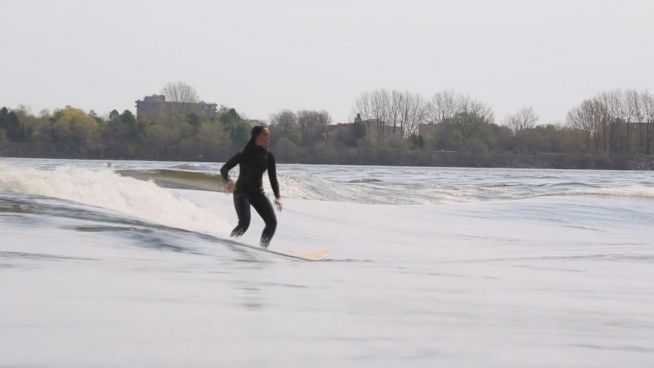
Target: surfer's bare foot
x,y
236,233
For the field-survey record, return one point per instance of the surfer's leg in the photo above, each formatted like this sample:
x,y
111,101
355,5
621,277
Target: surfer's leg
x,y
242,206
263,207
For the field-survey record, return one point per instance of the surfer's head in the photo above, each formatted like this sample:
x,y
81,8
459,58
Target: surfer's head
x,y
259,136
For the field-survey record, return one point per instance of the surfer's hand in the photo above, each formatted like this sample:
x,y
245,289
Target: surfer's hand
x,y
229,187
278,204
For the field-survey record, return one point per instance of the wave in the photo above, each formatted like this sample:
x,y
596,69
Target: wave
x,y
363,181
181,179
571,184
191,167
145,197
32,210
106,189
378,191
632,191
434,192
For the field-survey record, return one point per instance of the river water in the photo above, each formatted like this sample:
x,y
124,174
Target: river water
x,y
123,263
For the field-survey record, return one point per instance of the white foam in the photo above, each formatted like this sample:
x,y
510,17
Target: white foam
x,y
437,192
104,188
378,192
628,191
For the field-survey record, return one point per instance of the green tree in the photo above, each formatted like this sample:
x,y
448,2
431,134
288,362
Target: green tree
x,y
359,131
14,130
168,138
128,119
73,131
3,140
237,128
121,135
95,117
229,116
114,115
286,150
194,120
212,141
239,134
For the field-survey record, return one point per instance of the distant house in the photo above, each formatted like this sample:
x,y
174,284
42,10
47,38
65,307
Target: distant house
x,y
156,105
373,127
375,130
427,131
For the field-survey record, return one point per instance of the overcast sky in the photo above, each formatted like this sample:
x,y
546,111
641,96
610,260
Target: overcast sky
x,y
263,56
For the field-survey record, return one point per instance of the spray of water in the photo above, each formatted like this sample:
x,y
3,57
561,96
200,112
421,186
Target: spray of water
x,y
106,189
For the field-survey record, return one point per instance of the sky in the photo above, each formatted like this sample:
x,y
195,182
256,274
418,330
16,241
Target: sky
x,y
264,56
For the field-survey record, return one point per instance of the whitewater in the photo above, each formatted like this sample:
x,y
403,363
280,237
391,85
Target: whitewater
x,y
125,263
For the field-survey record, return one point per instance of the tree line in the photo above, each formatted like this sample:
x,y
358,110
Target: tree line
x,y
72,133
614,129
617,121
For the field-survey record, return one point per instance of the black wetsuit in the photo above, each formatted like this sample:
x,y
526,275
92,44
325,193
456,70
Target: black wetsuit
x,y
253,161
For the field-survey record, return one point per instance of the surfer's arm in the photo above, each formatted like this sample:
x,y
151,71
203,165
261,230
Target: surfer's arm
x,y
224,171
272,175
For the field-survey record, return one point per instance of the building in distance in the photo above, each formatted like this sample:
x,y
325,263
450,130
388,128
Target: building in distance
x,y
156,105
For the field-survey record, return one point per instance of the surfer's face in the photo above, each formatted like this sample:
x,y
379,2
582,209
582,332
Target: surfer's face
x,y
263,138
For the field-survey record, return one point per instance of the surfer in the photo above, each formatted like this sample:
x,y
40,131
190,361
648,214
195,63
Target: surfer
x,y
253,161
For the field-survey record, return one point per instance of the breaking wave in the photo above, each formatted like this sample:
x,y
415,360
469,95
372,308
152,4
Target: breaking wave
x,y
106,189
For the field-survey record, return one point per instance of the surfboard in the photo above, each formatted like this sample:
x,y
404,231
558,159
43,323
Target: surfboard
x,y
311,255
304,255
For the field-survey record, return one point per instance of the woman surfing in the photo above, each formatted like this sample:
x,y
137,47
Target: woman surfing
x,y
253,161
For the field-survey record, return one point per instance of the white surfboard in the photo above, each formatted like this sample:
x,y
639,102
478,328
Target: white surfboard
x,y
311,255
305,255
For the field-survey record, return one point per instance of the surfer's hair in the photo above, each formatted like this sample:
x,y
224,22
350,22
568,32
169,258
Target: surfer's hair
x,y
254,133
256,130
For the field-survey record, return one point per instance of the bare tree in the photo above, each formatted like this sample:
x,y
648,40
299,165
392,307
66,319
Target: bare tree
x,y
447,104
313,121
375,107
313,125
363,106
413,111
592,117
285,120
579,118
478,108
399,112
396,103
180,92
634,113
444,105
604,116
380,100
633,105
522,120
614,102
647,102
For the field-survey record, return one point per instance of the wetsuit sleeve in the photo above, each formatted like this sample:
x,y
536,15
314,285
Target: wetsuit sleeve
x,y
224,171
272,174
